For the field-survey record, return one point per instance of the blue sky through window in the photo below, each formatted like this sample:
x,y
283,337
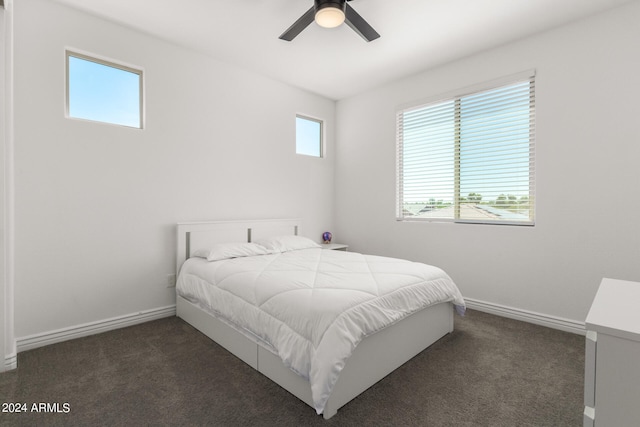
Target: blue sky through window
x,y
494,147
495,142
429,169
103,93
308,137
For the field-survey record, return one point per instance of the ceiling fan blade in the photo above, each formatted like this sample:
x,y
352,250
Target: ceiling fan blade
x,y
359,25
297,27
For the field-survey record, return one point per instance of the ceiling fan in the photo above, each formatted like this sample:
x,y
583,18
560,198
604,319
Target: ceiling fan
x,y
330,14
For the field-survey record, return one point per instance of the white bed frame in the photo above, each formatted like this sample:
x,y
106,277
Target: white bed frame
x,y
374,358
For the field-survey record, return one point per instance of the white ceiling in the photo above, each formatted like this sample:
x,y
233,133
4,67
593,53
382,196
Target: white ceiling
x,y
337,63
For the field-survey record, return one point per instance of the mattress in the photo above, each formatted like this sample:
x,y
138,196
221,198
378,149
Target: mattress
x,y
313,306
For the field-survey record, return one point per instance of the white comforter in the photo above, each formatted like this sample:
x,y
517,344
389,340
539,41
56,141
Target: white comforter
x,y
313,306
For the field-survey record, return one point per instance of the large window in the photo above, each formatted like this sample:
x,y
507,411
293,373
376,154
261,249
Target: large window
x,y
469,158
308,136
103,91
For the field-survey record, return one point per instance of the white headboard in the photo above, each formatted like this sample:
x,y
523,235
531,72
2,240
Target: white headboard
x,y
196,235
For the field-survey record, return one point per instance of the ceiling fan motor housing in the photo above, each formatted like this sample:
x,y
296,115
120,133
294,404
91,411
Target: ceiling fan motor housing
x,y
321,4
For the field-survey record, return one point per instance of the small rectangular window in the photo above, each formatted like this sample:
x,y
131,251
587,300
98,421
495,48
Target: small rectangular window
x,y
103,91
308,136
469,158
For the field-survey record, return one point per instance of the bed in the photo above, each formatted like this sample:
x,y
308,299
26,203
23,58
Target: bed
x,y
325,325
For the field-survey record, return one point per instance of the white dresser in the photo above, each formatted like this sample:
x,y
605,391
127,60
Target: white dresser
x,y
612,363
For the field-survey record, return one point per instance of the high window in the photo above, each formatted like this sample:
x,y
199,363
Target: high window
x,y
308,136
470,157
103,91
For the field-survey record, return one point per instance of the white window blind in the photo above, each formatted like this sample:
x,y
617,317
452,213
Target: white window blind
x,y
469,158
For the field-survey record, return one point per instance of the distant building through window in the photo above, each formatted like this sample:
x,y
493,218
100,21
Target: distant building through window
x,y
308,136
103,91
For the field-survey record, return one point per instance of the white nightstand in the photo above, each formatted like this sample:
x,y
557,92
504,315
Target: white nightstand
x,y
334,246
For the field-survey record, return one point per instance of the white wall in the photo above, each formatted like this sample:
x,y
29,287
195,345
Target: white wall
x,y
96,205
3,127
7,341
587,151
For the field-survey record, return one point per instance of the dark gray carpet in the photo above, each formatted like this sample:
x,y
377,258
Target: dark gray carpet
x,y
490,371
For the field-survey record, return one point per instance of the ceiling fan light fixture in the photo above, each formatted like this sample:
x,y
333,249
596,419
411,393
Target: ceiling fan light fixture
x,y
330,16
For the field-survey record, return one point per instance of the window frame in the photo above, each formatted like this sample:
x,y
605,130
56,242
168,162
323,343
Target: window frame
x,y
455,97
321,136
108,63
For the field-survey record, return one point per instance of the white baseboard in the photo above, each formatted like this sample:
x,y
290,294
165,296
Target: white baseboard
x,y
65,334
554,322
10,362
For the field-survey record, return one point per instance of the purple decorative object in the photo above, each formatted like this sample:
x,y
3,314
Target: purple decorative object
x,y
326,237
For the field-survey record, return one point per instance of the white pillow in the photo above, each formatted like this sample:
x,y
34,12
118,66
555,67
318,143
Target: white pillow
x,y
230,250
286,243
